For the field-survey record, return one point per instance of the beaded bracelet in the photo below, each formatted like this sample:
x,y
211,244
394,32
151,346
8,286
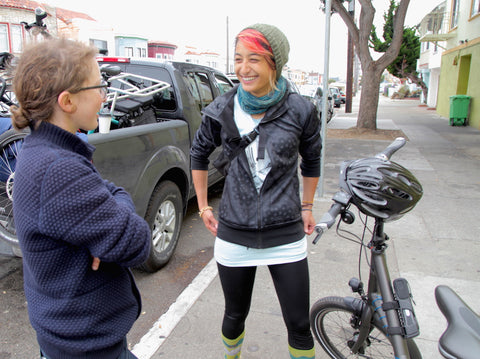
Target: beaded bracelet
x,y
208,208
306,209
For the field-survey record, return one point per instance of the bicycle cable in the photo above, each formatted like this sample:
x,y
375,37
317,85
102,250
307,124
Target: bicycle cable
x,y
357,239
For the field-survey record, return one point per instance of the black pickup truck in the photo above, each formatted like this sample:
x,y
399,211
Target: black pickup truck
x,y
146,151
151,158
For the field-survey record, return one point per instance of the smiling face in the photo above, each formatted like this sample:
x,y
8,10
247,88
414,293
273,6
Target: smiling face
x,y
256,75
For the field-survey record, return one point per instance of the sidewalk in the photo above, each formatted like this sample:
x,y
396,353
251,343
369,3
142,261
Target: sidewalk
x,y
437,243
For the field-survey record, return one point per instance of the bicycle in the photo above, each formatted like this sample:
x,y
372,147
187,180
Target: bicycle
x,y
381,322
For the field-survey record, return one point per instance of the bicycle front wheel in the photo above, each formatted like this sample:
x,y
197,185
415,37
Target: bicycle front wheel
x,y
336,324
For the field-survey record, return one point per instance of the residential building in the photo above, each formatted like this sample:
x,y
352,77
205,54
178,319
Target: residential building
x,y
161,50
460,57
434,31
14,16
131,46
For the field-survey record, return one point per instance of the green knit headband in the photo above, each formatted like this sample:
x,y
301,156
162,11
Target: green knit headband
x,y
278,42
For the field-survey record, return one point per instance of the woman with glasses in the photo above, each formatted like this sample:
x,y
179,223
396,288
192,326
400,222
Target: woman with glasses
x,y
78,233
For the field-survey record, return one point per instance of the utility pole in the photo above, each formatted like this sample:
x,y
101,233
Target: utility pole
x,y
350,55
323,130
228,51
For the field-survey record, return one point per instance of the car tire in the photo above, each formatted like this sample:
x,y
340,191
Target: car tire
x,y
164,216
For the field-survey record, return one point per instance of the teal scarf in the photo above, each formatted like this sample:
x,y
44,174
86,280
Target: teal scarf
x,y
255,105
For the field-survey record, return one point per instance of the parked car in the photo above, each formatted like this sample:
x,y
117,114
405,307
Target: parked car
x,y
147,150
335,93
343,97
315,95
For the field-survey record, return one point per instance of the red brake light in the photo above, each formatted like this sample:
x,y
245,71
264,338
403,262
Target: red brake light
x,y
113,59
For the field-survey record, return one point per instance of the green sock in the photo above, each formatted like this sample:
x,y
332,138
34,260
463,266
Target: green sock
x,y
301,354
233,347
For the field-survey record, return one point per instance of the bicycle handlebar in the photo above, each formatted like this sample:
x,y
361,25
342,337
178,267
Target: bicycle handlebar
x,y
327,220
398,143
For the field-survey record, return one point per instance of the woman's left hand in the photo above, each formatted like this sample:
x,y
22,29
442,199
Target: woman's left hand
x,y
308,222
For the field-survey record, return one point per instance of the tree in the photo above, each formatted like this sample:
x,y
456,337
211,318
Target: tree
x,y
405,65
371,69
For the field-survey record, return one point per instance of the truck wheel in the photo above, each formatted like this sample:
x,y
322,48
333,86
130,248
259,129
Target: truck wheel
x,y
164,215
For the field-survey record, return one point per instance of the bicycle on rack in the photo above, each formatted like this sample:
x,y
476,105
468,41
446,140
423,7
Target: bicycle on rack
x,y
129,97
381,322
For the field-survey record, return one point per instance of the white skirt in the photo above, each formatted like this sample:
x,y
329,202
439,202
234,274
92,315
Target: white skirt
x,y
235,255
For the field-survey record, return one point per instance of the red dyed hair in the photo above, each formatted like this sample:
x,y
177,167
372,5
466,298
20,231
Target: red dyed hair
x,y
254,41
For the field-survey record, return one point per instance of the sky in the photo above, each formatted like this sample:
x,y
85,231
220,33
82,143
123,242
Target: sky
x,y
203,24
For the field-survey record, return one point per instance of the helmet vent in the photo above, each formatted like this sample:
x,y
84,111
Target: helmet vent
x,y
399,194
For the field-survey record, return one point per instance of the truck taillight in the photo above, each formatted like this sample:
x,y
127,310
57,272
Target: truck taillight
x,y
112,59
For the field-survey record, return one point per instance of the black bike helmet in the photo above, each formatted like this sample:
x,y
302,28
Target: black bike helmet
x,y
382,189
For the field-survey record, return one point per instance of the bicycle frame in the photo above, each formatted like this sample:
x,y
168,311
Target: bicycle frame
x,y
379,281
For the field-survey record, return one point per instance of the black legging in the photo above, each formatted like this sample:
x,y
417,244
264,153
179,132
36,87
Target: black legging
x,y
291,282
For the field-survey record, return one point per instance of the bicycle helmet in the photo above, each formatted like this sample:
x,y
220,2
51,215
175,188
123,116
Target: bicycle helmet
x,y
382,189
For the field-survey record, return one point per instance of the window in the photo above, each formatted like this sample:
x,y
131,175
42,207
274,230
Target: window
x,y
222,84
454,18
4,47
204,88
163,100
16,37
101,45
11,38
475,8
199,87
129,51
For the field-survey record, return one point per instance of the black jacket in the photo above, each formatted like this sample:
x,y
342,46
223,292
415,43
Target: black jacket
x,y
272,216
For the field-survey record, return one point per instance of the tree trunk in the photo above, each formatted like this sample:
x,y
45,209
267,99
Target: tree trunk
x,y
367,113
371,70
418,81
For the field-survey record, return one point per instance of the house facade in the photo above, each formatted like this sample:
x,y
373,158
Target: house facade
x,y
14,15
434,31
460,57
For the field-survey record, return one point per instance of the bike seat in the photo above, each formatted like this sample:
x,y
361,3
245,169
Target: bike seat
x,y
461,339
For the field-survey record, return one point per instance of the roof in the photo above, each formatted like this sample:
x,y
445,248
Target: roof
x,y
20,4
67,15
162,43
62,14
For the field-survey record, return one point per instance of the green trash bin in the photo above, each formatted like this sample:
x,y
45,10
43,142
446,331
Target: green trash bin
x,y
459,107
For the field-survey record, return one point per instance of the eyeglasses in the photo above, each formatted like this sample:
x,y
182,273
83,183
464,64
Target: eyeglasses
x,y
103,87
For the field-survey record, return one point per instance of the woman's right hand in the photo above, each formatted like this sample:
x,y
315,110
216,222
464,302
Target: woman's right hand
x,y
210,221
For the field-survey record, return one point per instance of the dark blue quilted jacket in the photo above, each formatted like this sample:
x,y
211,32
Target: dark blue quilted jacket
x,y
65,213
